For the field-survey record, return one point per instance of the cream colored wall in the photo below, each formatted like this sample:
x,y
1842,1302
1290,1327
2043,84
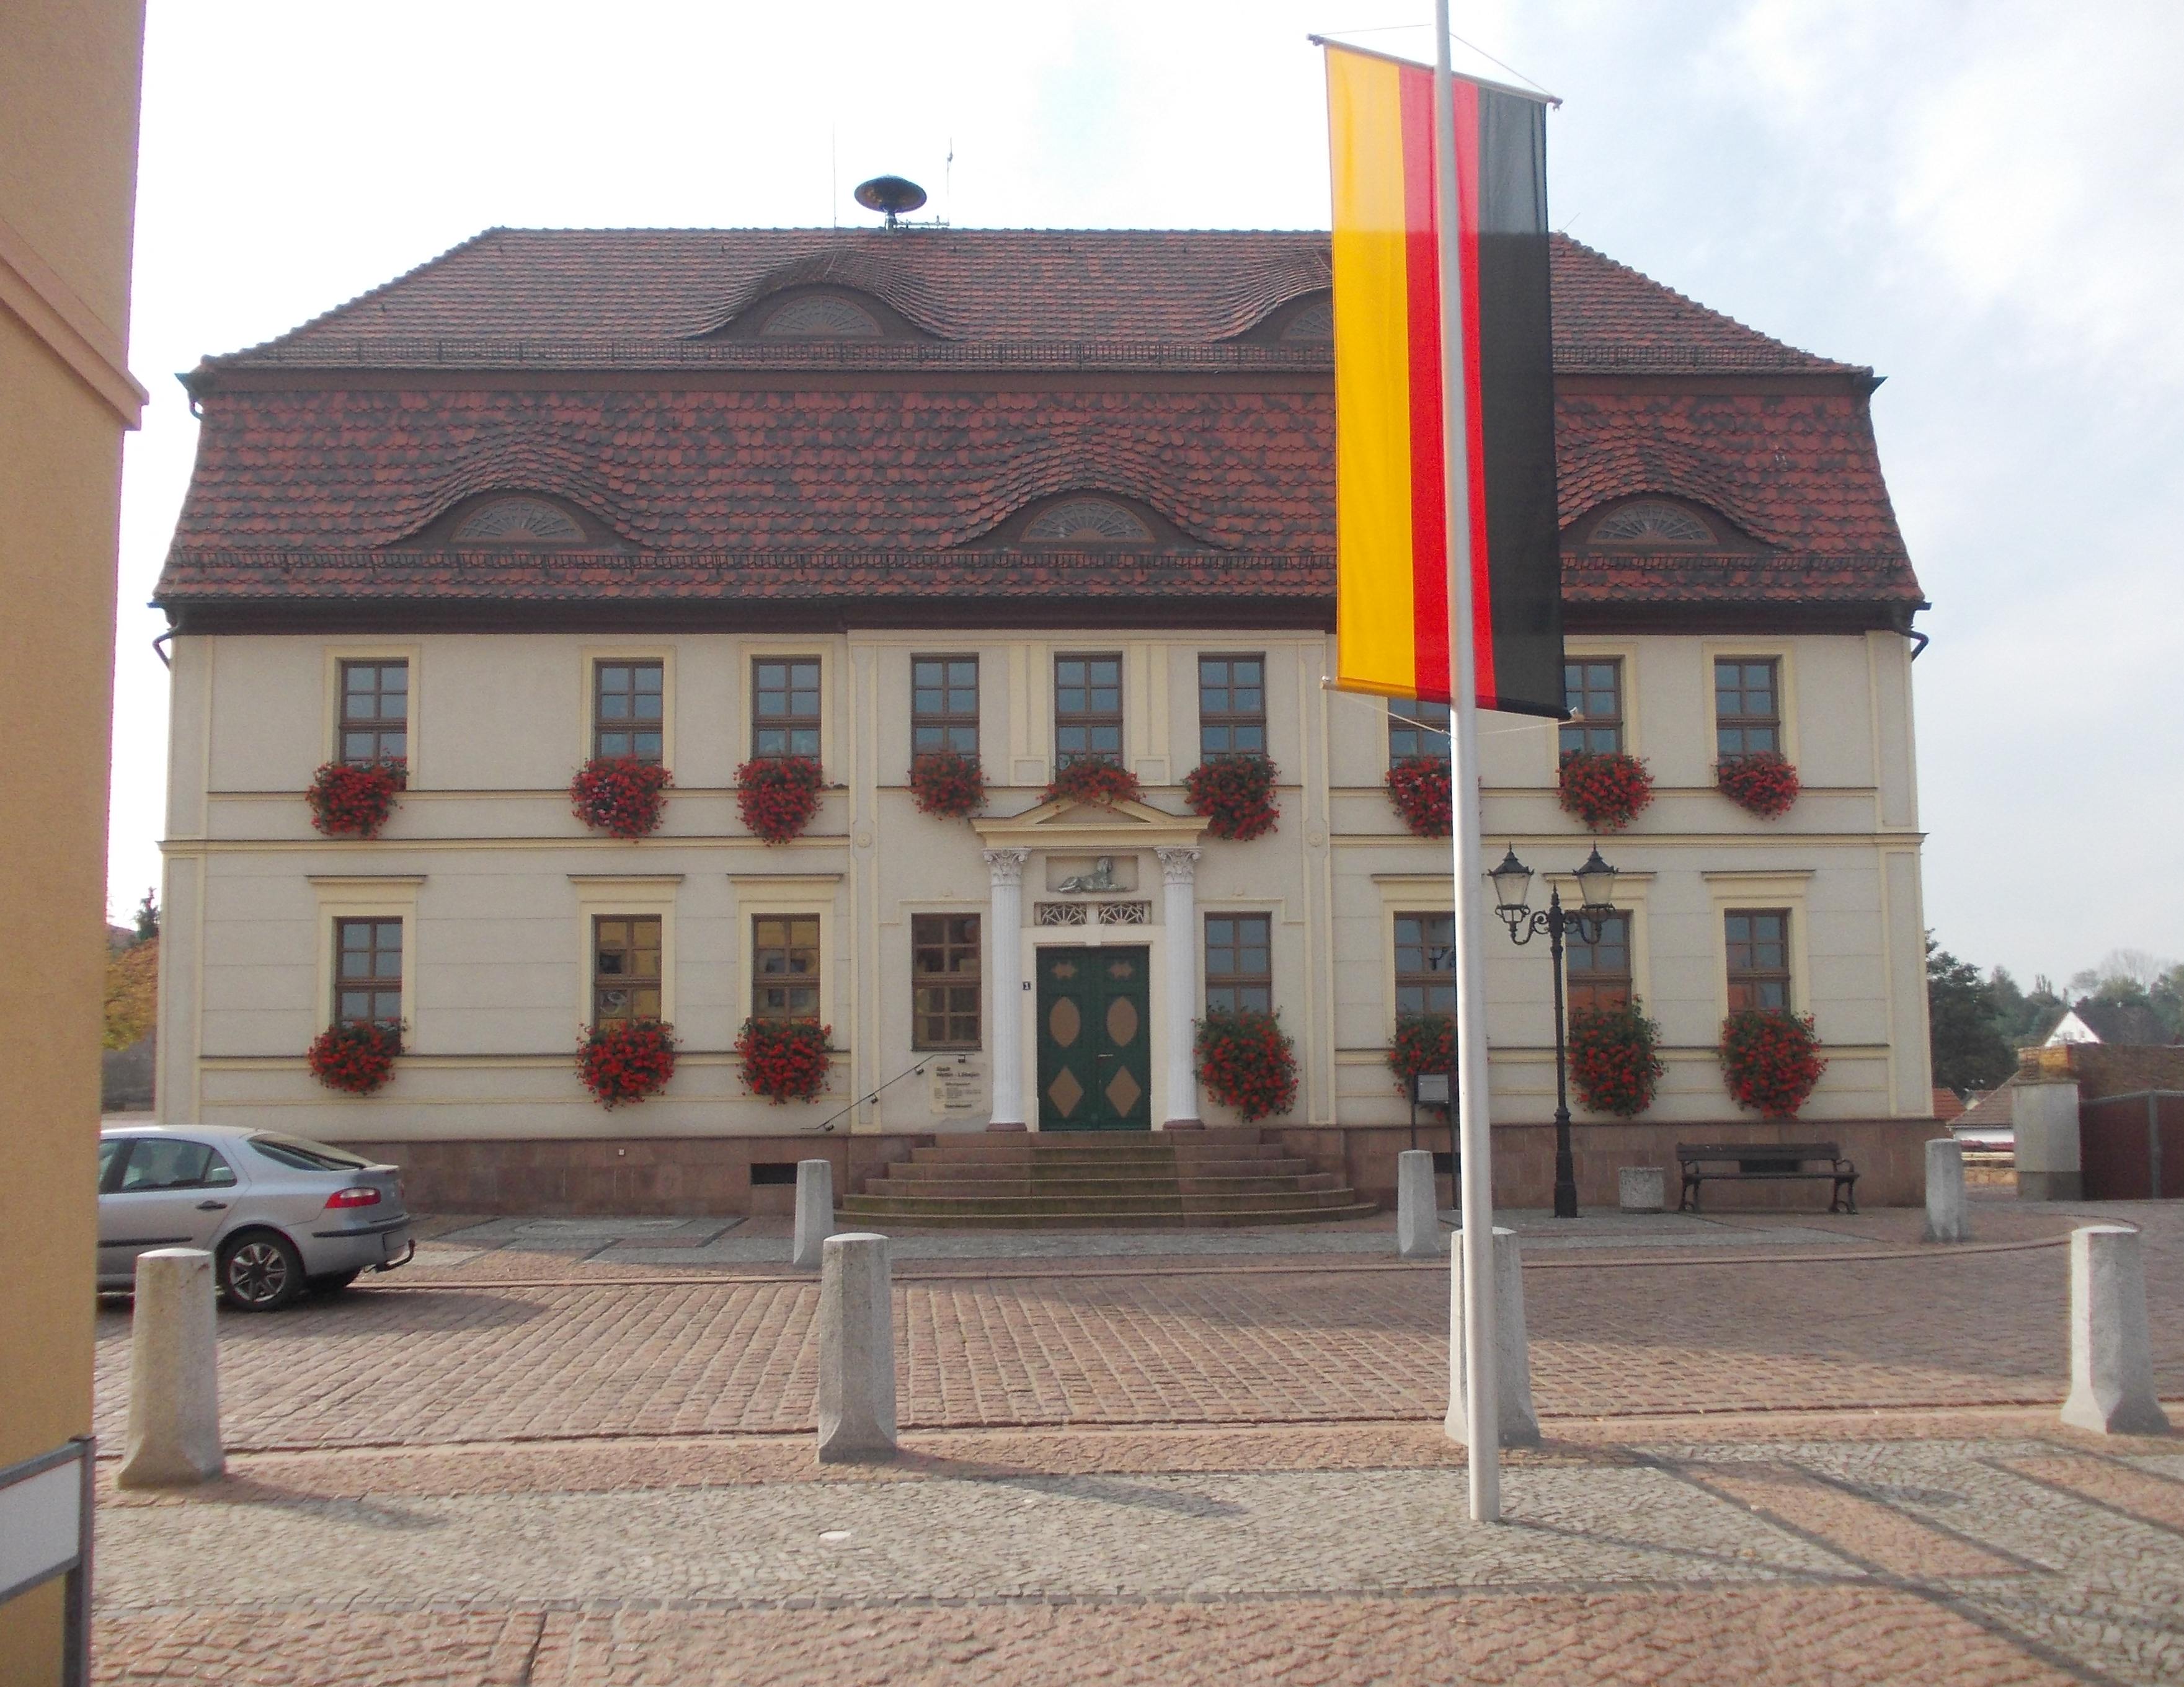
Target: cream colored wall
x,y
500,871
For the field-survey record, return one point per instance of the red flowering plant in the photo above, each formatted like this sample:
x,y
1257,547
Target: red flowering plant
x,y
777,795
1612,1060
784,1060
624,1061
1247,1062
1418,786
620,794
1235,792
1424,1042
1097,779
1605,788
355,1058
1770,1059
352,799
1763,783
948,783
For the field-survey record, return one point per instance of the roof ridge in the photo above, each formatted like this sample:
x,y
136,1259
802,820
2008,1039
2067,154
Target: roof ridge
x,y
351,304
1684,299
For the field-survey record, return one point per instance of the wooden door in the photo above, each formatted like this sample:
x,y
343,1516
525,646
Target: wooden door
x,y
1094,1040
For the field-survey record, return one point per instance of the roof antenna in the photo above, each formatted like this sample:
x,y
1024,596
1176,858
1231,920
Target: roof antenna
x,y
833,176
948,180
891,194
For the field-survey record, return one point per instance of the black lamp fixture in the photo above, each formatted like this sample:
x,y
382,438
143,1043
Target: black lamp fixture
x,y
1596,886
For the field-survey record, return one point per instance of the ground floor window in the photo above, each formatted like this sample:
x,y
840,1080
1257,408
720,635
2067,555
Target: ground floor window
x,y
1425,963
944,969
1758,944
626,970
785,967
1599,973
368,972
1240,968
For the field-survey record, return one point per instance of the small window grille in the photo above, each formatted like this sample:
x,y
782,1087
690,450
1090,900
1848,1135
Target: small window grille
x,y
1087,521
819,316
518,521
1649,522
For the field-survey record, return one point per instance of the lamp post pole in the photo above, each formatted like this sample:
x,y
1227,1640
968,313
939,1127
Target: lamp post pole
x,y
1565,1160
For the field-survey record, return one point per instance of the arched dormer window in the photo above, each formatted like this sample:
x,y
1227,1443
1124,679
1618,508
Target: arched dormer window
x,y
518,521
1084,522
1651,521
1311,323
819,316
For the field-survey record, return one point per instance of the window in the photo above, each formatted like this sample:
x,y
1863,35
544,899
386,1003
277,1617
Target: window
x,y
626,970
518,521
1599,973
944,705
170,1163
1758,957
819,316
368,972
944,964
785,706
1313,321
375,712
1087,521
1240,968
1592,691
1747,709
1416,727
629,710
1087,708
785,967
303,1154
1232,705
1649,522
1425,963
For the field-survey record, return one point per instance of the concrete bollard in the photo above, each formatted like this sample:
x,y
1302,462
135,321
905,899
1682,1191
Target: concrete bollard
x,y
1946,1219
1512,1360
1642,1188
1418,1214
814,1212
856,1351
174,1374
2111,1349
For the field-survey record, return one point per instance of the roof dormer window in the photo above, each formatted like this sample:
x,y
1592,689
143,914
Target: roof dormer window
x,y
518,521
1651,521
819,316
1087,521
1313,323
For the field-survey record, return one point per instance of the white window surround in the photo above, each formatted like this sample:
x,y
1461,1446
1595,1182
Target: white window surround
x,y
330,728
1781,652
1732,890
759,895
638,895
344,896
589,657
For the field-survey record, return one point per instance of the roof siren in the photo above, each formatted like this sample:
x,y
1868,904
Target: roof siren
x,y
891,194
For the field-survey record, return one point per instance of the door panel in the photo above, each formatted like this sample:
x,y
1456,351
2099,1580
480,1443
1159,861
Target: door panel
x,y
1094,1054
171,1192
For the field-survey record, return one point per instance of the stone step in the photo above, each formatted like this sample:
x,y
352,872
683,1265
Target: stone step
x,y
1066,1187
1173,1200
918,1171
1018,1220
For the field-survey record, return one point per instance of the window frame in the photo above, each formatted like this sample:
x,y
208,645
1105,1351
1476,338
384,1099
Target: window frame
x,y
344,724
1616,724
1398,721
1088,719
947,981
1595,979
948,720
1428,980
789,918
791,724
377,922
601,725
1234,979
1231,719
1744,723
633,980
1754,975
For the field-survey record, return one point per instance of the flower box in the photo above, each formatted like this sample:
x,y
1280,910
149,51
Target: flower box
x,y
349,800
1770,1060
620,794
1419,788
1764,783
1614,1065
1236,795
354,1059
785,1060
777,795
947,784
1094,779
1606,789
1245,1061
1425,1043
623,1063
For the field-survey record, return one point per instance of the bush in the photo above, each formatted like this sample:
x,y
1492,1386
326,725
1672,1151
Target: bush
x,y
1236,795
1096,779
351,801
626,1062
1245,1061
1424,1042
1770,1059
354,1059
947,784
1611,1060
1606,789
1764,783
1419,786
784,1060
777,795
620,794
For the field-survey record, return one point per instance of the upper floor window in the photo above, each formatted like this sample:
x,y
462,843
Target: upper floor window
x,y
1416,727
368,972
1087,708
1757,940
1240,967
375,712
1592,691
1649,521
785,706
785,967
1748,705
944,705
1425,963
518,521
819,316
1087,521
1600,972
944,966
1312,322
629,706
626,968
1232,705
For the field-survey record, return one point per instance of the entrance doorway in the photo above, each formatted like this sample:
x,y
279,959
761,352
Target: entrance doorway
x,y
1094,1062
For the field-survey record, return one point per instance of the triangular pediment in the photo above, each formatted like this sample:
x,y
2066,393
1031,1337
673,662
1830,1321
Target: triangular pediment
x,y
1063,821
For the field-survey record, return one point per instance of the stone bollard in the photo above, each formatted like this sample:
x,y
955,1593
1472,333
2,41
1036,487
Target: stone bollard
x,y
1417,1213
856,1351
174,1376
814,1212
1946,1219
1642,1188
1512,1361
2111,1351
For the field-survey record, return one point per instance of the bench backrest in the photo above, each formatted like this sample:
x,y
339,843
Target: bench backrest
x,y
1687,1152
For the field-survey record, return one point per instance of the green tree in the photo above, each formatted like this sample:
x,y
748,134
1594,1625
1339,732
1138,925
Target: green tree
x,y
2022,1018
1970,1051
147,918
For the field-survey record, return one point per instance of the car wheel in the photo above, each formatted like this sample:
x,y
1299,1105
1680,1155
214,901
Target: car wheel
x,y
260,1273
332,1282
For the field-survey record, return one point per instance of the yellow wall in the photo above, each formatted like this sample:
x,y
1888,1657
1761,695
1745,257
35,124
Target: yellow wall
x,y
68,74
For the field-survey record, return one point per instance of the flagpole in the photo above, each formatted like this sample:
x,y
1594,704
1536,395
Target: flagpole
x,y
1482,1415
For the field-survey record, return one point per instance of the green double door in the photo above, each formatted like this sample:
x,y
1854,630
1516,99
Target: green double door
x,y
1094,1040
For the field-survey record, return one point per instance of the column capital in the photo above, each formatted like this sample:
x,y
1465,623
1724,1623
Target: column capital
x,y
1178,866
1006,866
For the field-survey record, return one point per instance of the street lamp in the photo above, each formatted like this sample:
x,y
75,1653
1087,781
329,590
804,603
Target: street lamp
x,y
1595,885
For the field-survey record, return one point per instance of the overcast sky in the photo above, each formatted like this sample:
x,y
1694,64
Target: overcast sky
x,y
1983,201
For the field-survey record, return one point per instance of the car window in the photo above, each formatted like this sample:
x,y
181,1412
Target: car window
x,y
305,1155
167,1163
218,1173
109,1150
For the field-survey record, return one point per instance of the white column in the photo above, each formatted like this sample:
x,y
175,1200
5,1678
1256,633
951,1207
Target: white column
x,y
1179,912
1005,966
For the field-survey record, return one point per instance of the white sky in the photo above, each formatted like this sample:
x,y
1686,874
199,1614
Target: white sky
x,y
1984,200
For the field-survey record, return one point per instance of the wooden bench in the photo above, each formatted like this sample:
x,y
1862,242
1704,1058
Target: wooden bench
x,y
1767,1162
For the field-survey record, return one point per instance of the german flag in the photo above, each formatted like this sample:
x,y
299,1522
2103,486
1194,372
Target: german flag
x,y
1392,631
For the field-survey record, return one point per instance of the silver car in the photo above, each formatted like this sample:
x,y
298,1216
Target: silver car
x,y
279,1214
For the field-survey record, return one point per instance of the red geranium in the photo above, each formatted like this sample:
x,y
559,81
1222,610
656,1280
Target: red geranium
x,y
777,795
784,1060
1246,1062
1611,1060
1418,786
620,794
1235,794
356,1059
1763,783
948,783
1424,1042
1097,779
1770,1059
1606,789
351,800
626,1062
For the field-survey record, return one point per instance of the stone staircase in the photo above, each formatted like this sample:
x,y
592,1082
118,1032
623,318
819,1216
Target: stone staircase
x,y
1100,1181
